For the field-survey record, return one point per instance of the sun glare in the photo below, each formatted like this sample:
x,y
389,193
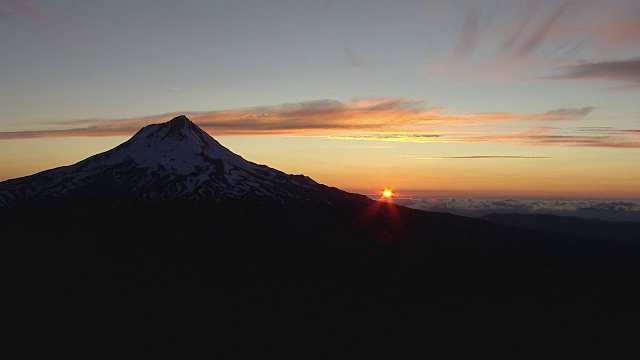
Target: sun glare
x,y
387,193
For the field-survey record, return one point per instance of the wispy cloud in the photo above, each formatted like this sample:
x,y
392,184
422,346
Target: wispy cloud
x,y
475,26
533,40
584,141
368,119
530,31
33,13
369,147
550,136
536,136
568,113
418,157
622,70
408,137
519,39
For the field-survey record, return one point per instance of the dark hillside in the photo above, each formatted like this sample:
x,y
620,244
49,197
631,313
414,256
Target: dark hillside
x,y
312,281
592,228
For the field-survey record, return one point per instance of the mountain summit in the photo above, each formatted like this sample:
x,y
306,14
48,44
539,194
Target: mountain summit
x,y
172,161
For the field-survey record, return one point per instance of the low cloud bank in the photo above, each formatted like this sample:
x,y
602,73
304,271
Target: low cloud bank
x,y
612,210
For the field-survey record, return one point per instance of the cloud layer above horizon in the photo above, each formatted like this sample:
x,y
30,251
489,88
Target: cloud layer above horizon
x,y
372,119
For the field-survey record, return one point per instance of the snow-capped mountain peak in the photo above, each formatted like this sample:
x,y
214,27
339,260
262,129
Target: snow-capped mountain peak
x,y
178,144
171,161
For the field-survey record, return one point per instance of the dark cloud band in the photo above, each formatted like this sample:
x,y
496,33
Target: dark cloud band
x,y
623,70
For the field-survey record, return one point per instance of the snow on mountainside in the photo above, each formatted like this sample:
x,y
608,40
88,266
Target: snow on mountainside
x,y
175,160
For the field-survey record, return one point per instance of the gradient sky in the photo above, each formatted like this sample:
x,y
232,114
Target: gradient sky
x,y
523,97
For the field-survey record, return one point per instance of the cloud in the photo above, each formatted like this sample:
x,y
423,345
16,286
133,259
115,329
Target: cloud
x,y
389,137
518,39
370,147
33,13
519,25
475,26
542,31
601,208
544,136
51,26
579,137
367,119
621,70
563,140
417,157
570,113
505,35
611,25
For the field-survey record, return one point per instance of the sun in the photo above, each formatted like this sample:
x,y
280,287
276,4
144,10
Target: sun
x,y
387,193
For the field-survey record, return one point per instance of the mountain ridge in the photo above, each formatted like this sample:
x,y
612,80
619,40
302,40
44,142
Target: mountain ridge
x,y
628,231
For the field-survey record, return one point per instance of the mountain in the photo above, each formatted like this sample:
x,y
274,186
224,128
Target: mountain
x,y
170,244
173,161
588,228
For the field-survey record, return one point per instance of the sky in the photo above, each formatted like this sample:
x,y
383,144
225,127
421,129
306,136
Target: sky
x,y
529,98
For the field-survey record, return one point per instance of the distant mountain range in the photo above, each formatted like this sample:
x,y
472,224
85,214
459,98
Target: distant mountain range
x,y
172,245
588,228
